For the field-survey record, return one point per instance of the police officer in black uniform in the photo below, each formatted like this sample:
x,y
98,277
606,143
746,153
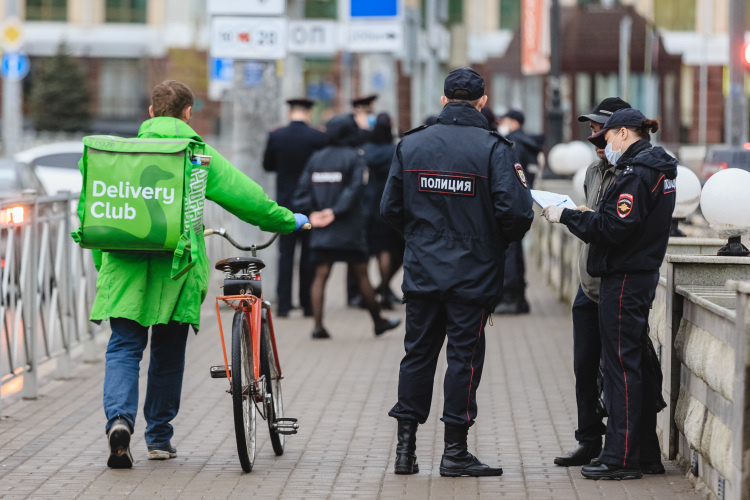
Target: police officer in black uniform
x,y
527,147
287,151
454,193
587,346
331,191
628,239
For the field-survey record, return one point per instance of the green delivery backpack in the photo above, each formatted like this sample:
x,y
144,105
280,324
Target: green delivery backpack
x,y
143,195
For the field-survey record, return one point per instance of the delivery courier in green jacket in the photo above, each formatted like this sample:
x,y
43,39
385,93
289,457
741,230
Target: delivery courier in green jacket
x,y
139,290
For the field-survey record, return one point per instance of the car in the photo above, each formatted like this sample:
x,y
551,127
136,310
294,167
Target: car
x,y
15,178
56,165
721,156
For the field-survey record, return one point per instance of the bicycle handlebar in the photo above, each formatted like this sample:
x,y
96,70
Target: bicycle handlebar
x,y
252,248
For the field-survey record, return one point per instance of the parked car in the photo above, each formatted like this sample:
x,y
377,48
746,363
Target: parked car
x,y
721,156
56,165
15,177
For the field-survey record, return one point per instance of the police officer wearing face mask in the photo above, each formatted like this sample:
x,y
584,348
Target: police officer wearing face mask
x,y
628,239
458,198
587,347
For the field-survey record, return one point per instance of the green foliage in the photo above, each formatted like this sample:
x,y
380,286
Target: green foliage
x,y
60,98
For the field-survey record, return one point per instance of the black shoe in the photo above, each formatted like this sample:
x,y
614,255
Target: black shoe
x,y
308,313
652,467
406,459
386,303
582,455
119,446
384,325
605,471
163,452
282,314
457,461
523,306
321,334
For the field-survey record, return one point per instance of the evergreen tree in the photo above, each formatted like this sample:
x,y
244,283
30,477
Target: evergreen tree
x,y
60,99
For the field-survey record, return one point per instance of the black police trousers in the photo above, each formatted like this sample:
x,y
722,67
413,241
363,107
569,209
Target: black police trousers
x,y
514,274
624,303
427,325
287,245
587,353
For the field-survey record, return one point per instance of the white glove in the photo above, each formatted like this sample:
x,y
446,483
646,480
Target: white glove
x,y
553,213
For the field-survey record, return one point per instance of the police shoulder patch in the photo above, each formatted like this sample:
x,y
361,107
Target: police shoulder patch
x,y
417,129
521,174
624,205
499,136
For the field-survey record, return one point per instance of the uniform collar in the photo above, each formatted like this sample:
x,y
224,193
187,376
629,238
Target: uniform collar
x,y
462,113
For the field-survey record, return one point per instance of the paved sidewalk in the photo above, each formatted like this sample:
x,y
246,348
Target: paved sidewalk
x,y
341,391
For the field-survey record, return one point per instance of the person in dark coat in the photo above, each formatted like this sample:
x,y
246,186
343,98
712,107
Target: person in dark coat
x,y
527,148
382,240
628,239
287,151
454,193
331,191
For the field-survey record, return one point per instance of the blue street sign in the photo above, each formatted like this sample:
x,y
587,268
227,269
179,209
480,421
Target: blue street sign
x,y
15,66
222,69
374,8
253,74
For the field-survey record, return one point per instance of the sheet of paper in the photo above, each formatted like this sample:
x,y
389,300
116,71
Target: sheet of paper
x,y
546,198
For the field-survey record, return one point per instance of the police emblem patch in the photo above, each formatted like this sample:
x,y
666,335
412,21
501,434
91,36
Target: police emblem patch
x,y
521,174
624,205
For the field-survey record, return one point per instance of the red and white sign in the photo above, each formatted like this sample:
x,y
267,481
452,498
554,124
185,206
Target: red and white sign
x,y
535,37
252,38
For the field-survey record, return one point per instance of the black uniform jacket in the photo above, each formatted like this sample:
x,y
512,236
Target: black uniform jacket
x,y
457,195
630,230
287,152
335,177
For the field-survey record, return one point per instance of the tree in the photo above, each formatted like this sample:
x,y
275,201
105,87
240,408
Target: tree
x,y
60,99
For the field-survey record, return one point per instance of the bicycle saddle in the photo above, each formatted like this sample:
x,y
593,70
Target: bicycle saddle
x,y
236,264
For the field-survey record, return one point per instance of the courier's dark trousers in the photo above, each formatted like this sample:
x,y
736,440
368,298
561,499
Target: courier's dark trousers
x,y
587,353
427,325
624,304
287,244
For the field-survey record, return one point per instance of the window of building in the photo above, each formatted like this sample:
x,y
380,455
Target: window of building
x,y
320,9
455,11
47,10
510,14
675,15
125,11
121,90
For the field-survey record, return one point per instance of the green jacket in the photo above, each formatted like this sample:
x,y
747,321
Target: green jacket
x,y
138,286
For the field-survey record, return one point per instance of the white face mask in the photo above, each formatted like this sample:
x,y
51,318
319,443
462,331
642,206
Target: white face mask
x,y
612,156
504,130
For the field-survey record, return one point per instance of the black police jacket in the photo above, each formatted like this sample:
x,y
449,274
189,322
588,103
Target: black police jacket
x,y
287,152
457,195
630,230
335,178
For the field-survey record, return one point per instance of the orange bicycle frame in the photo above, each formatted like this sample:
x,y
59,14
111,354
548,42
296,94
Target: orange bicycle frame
x,y
251,306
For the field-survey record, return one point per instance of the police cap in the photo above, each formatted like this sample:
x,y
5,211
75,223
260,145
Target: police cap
x,y
365,101
301,102
625,117
516,115
463,83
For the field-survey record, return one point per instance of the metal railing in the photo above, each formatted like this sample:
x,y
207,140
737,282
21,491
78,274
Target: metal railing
x,y
47,286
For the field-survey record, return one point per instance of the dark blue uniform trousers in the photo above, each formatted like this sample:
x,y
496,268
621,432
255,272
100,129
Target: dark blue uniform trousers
x,y
587,353
624,303
427,325
287,245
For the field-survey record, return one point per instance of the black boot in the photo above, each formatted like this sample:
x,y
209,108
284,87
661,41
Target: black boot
x,y
457,461
406,460
509,304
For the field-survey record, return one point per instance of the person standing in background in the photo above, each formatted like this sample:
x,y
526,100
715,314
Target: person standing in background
x,y
287,152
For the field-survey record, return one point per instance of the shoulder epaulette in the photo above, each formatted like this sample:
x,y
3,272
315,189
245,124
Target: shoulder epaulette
x,y
417,129
499,136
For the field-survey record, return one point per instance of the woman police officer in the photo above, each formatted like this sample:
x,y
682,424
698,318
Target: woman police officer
x,y
628,237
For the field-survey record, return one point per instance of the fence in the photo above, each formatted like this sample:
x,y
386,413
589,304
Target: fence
x,y
47,286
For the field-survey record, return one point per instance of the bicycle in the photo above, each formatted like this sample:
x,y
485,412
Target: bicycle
x,y
255,373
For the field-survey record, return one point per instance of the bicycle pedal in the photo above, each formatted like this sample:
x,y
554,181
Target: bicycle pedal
x,y
220,371
286,425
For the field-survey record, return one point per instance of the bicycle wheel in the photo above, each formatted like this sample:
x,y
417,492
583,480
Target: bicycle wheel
x,y
242,384
274,401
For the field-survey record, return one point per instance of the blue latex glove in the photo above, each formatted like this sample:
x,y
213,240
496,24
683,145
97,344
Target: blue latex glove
x,y
301,220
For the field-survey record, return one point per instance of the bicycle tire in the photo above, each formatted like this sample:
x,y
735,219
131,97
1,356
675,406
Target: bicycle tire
x,y
275,402
242,384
